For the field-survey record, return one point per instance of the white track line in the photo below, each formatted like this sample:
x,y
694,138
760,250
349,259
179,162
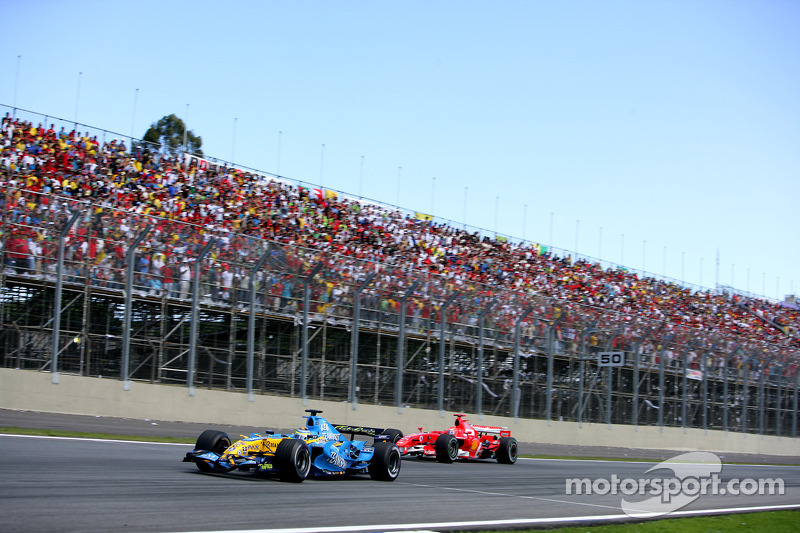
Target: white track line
x,y
86,439
428,526
654,461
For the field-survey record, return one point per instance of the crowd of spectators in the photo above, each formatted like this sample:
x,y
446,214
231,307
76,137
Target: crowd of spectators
x,y
119,190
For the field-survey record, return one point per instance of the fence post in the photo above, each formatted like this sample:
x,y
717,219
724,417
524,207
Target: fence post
x,y
746,394
762,401
661,395
479,389
251,322
401,347
684,395
443,318
725,371
704,367
637,356
610,377
354,340
636,361
551,332
59,290
794,415
778,417
304,356
193,326
582,368
126,329
515,396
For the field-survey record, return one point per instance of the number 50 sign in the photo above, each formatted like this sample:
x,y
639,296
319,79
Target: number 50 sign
x,y
611,359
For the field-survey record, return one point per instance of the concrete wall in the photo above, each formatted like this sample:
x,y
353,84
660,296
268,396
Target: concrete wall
x,y
30,390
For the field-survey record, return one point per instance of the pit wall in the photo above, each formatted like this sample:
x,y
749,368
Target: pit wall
x,y
35,391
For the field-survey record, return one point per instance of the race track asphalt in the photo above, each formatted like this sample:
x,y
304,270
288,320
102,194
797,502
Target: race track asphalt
x,y
69,485
158,428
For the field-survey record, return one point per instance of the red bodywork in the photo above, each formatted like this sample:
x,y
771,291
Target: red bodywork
x,y
474,442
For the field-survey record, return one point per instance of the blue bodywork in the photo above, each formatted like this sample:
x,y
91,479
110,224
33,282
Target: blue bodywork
x,y
332,453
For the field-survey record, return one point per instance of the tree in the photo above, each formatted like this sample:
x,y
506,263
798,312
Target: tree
x,y
169,135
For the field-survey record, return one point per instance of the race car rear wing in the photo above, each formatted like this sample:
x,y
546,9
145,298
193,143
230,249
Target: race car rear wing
x,y
376,433
494,430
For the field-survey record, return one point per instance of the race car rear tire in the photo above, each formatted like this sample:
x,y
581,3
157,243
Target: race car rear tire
x,y
293,460
446,447
394,434
385,462
507,451
211,441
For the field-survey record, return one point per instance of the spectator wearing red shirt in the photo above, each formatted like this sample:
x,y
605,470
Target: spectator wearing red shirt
x,y
17,253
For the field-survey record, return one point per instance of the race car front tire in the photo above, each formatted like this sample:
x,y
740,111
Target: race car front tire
x,y
211,441
385,462
507,451
446,447
293,460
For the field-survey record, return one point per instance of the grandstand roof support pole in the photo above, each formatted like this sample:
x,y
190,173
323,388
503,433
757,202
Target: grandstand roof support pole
x,y
610,384
761,398
442,328
194,325
661,369
59,290
354,340
304,354
581,368
130,258
401,347
479,386
251,322
515,395
725,389
551,348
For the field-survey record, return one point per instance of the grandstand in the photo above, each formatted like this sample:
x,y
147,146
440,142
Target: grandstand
x,y
121,261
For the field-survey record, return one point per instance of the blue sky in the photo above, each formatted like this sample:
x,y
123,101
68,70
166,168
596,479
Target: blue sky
x,y
657,134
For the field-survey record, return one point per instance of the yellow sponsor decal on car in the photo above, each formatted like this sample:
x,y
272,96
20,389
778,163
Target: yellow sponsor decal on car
x,y
250,447
270,445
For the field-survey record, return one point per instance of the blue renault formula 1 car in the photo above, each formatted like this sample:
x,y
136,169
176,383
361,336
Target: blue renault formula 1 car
x,y
317,449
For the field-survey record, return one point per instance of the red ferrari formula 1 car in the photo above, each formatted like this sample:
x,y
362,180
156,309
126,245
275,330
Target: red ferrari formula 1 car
x,y
462,441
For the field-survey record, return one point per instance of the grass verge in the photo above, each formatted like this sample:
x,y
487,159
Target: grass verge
x,y
638,460
771,521
85,435
590,458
